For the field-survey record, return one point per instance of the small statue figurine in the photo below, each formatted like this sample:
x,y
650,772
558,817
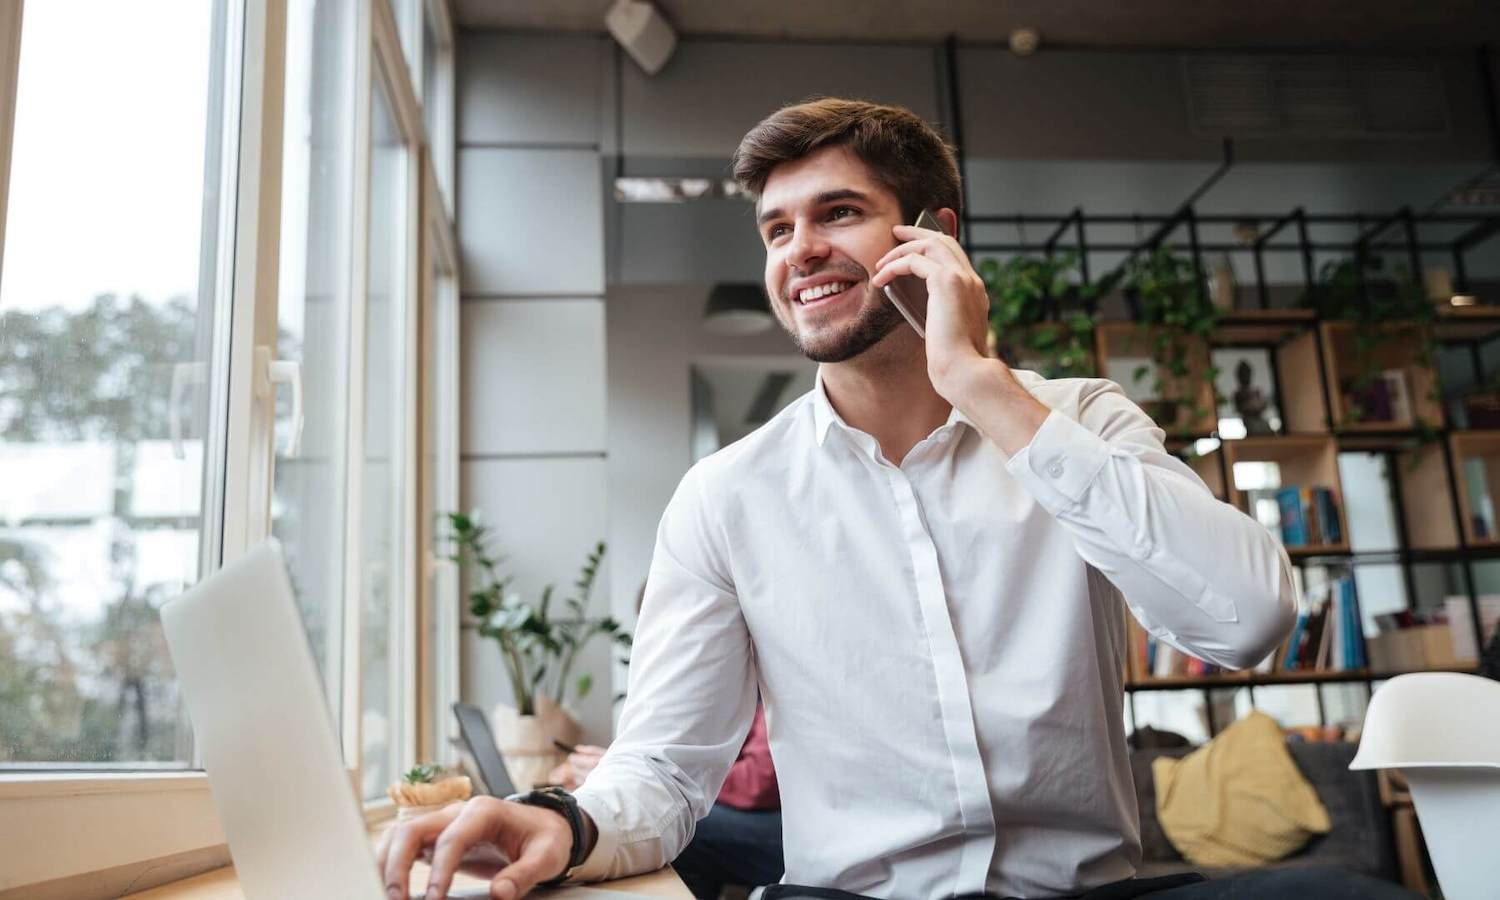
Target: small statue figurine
x,y
1250,402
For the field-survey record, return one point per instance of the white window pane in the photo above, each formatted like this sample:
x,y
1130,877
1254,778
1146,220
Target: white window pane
x,y
110,235
1368,509
384,406
307,509
439,411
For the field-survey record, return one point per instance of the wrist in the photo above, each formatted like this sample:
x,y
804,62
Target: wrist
x,y
962,381
576,830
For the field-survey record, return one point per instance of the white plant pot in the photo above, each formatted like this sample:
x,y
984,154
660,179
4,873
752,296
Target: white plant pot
x,y
526,741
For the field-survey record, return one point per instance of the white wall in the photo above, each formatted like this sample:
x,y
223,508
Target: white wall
x,y
531,233
655,336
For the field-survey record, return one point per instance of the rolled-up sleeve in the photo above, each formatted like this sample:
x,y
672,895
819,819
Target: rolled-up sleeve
x,y
690,701
1195,571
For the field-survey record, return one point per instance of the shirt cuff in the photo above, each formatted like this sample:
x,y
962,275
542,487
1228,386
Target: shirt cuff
x,y
1061,461
596,866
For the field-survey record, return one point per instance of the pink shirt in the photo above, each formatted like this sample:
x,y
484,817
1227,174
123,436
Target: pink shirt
x,y
752,779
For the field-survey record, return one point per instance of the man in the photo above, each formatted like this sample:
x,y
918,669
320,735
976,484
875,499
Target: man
x,y
919,565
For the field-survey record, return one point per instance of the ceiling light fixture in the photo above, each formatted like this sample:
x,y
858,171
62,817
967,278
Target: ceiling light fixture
x,y
737,310
641,30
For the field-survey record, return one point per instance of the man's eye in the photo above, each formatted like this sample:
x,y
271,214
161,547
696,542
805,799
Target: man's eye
x,y
776,231
843,212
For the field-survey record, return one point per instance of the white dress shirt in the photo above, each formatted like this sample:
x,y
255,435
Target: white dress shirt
x,y
938,644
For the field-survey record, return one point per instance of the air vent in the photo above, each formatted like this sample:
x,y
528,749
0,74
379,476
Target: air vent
x,y
1315,97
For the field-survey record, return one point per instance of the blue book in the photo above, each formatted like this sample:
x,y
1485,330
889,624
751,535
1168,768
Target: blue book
x,y
1294,643
1355,630
1293,522
1328,515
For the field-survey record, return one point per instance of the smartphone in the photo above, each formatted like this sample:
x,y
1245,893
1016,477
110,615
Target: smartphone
x,y
908,293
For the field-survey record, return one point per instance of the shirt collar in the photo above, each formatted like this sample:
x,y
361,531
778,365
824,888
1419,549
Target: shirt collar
x,y
825,416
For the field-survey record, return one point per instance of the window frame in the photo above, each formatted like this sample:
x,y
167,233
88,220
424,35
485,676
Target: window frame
x,y
442,142
82,828
438,584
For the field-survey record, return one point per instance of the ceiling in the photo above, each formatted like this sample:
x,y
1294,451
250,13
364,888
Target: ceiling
x,y
1182,24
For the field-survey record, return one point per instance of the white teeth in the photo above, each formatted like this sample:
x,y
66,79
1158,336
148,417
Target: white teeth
x,y
821,291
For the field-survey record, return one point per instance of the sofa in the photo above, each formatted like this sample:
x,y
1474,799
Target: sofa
x,y
1361,838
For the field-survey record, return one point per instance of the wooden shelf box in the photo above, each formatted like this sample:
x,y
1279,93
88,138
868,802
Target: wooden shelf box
x,y
1304,460
1400,351
1426,497
1480,450
1292,339
1191,398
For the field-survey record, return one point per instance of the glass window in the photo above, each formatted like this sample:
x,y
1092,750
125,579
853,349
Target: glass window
x,y
409,15
108,300
313,317
439,490
382,513
437,102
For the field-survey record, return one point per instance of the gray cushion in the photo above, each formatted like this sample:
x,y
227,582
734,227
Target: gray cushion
x,y
1361,836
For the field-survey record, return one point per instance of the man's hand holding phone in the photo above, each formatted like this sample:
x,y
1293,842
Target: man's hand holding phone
x,y
956,314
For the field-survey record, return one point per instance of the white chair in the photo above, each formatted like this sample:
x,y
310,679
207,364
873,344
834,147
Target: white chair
x,y
1442,730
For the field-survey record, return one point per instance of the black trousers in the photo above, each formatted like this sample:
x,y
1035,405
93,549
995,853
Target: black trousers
x,y
1119,890
1312,883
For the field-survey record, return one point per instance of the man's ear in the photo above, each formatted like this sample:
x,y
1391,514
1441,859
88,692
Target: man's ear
x,y
949,220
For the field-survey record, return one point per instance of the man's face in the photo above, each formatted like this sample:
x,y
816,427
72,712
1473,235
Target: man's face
x,y
825,222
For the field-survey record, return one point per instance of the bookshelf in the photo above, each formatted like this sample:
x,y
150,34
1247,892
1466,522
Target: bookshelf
x,y
1440,513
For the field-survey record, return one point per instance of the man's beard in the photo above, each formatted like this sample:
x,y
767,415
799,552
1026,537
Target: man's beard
x,y
868,328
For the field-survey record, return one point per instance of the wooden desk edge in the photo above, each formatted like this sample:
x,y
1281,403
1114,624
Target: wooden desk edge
x,y
223,884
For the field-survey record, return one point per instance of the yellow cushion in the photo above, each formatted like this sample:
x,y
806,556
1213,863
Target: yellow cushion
x,y
1240,800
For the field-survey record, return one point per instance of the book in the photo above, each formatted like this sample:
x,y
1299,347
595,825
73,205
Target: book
x,y
1294,642
1328,515
1355,655
1310,519
1293,521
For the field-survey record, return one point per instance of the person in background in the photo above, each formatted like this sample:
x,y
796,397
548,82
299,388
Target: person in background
x,y
739,841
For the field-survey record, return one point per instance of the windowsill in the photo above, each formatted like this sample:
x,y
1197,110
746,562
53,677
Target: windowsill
x,y
82,829
17,785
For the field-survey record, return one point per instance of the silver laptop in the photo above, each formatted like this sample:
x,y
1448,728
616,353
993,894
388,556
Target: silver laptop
x,y
268,743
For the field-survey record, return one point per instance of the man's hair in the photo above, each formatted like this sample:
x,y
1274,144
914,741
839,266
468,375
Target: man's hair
x,y
905,154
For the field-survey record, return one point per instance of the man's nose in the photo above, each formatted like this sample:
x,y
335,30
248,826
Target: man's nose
x,y
806,247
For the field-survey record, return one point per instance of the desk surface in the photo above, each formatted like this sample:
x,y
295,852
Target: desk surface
x,y
224,884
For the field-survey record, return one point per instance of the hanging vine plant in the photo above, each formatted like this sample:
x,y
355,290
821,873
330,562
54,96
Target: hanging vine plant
x,y
1177,319
1042,314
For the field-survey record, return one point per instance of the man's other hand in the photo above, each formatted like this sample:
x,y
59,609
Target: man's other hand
x,y
572,773
537,843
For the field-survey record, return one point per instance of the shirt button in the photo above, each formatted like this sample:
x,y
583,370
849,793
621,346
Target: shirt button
x,y
1055,469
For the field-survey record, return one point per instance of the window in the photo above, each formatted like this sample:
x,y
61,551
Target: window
x,y
437,94
382,481
317,180
439,494
111,366
137,449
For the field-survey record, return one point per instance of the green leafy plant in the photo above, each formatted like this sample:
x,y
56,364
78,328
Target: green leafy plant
x,y
426,773
539,649
1040,309
1177,318
1361,291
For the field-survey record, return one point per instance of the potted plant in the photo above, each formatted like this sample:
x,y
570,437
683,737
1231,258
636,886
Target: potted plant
x,y
539,649
1041,316
1176,319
